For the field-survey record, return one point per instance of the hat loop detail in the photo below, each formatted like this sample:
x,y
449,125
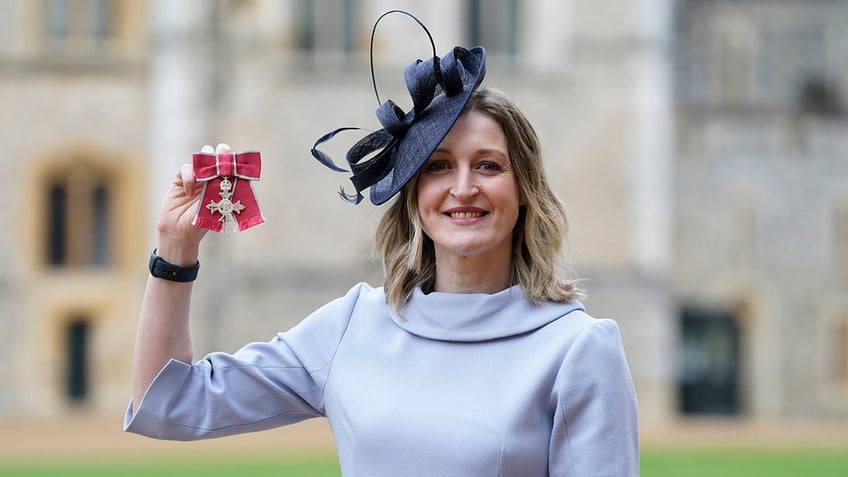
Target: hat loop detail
x,y
374,31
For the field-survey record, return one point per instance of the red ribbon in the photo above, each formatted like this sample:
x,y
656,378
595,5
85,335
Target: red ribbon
x,y
239,169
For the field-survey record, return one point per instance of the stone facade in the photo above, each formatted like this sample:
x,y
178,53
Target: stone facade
x,y
679,198
761,187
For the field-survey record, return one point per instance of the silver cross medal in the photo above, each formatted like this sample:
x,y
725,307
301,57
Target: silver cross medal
x,y
225,206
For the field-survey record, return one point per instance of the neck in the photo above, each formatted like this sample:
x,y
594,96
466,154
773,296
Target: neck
x,y
472,275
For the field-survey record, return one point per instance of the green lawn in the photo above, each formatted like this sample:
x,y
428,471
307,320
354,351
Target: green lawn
x,y
745,464
308,466
654,464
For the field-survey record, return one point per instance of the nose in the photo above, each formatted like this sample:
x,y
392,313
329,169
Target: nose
x,y
464,185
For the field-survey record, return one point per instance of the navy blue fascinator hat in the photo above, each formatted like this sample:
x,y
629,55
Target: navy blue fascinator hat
x,y
385,160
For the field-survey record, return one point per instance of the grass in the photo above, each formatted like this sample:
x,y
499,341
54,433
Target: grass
x,y
305,466
654,464
761,463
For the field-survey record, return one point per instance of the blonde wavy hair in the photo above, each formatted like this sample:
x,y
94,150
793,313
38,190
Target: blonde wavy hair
x,y
538,265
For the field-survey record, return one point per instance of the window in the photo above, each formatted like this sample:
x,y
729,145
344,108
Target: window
x,y
99,249
76,349
820,96
78,229
840,354
839,244
326,25
743,246
735,48
78,20
494,25
57,227
709,362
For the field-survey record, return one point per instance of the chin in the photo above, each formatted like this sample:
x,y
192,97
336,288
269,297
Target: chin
x,y
469,250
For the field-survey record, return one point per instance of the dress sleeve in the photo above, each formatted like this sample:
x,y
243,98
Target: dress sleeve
x,y
595,429
261,386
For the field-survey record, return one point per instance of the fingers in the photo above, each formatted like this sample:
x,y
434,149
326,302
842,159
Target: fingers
x,y
186,174
222,147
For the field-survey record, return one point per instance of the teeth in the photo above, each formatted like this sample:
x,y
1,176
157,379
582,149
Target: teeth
x,y
465,215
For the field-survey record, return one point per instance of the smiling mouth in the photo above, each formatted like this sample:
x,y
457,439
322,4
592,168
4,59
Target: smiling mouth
x,y
465,215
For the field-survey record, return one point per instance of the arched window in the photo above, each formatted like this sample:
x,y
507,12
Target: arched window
x,y
78,229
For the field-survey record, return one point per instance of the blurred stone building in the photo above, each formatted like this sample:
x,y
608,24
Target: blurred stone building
x,y
700,146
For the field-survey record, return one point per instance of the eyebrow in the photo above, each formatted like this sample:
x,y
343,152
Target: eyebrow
x,y
479,152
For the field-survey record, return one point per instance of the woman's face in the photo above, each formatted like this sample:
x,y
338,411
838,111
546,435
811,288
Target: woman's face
x,y
468,197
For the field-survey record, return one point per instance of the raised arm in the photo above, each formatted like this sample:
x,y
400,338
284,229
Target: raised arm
x,y
163,328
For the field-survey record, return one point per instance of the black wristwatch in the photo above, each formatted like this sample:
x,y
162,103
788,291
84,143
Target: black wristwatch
x,y
161,269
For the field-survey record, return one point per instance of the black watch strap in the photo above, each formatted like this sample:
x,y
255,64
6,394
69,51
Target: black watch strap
x,y
161,269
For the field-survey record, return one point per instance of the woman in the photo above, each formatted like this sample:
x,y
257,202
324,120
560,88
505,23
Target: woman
x,y
473,359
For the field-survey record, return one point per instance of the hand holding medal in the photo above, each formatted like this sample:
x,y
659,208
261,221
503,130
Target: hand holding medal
x,y
226,200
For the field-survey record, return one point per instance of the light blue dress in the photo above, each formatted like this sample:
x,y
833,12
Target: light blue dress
x,y
461,385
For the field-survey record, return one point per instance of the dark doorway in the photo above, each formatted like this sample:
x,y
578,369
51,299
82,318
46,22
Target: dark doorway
x,y
77,337
709,362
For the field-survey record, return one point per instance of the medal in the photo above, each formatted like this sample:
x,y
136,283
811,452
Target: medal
x,y
229,175
225,207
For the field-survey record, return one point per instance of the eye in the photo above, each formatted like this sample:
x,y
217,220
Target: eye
x,y
436,165
490,166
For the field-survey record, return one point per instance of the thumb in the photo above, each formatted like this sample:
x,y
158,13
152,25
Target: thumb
x,y
186,174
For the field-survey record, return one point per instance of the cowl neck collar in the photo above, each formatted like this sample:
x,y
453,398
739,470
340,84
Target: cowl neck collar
x,y
469,317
